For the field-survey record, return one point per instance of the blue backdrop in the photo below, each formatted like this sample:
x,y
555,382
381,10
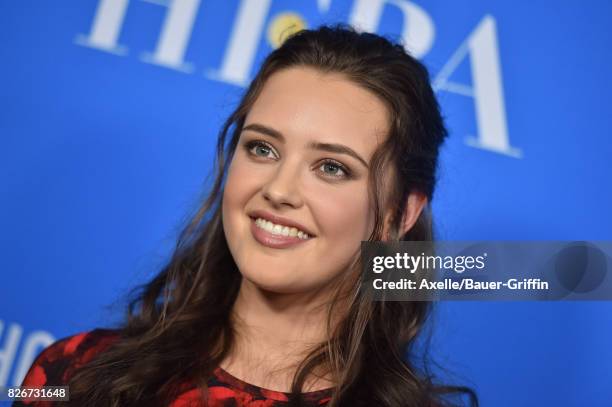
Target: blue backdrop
x,y
110,108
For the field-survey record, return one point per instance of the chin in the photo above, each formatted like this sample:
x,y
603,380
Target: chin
x,y
275,282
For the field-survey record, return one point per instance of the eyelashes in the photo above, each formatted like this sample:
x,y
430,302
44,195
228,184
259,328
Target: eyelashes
x,y
253,147
336,164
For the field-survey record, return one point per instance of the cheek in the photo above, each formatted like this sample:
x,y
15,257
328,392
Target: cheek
x,y
239,185
343,213
343,221
237,191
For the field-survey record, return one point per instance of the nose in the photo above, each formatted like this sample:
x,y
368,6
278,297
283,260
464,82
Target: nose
x,y
282,188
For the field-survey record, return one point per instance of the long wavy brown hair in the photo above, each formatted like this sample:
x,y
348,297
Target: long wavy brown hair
x,y
178,326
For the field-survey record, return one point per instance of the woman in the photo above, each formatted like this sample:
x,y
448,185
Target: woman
x,y
335,141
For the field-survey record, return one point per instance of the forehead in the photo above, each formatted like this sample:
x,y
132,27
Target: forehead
x,y
309,105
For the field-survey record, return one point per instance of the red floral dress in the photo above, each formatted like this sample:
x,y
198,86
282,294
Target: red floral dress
x,y
57,363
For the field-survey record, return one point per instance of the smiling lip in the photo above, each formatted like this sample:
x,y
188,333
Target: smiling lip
x,y
279,220
274,241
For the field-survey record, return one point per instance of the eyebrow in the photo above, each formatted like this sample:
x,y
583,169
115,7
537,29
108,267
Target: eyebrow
x,y
332,148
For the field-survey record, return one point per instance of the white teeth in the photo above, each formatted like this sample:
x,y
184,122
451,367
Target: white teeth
x,y
280,229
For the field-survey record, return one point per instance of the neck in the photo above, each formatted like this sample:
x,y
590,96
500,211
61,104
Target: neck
x,y
274,333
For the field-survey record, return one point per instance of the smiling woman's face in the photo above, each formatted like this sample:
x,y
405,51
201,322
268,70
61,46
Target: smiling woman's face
x,y
301,165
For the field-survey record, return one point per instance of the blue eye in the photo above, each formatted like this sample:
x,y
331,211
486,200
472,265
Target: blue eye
x,y
334,169
259,149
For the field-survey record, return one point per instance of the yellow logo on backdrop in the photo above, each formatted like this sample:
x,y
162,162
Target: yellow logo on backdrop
x,y
283,26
